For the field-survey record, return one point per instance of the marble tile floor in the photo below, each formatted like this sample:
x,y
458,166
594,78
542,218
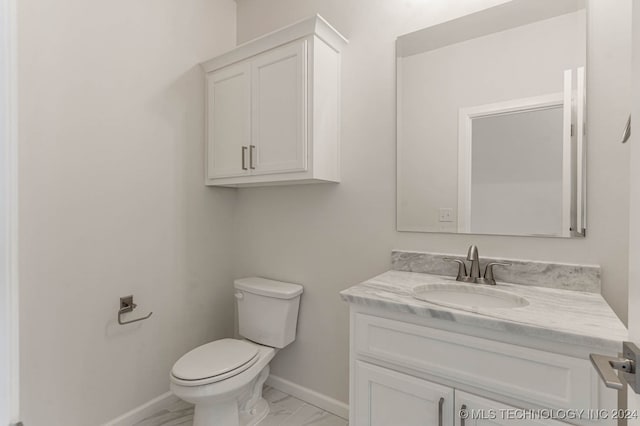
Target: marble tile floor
x,y
285,411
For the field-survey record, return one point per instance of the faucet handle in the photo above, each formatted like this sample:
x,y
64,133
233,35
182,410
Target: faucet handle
x,y
488,271
462,268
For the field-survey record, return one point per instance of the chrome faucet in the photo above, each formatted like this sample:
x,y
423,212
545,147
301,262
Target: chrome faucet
x,y
474,273
474,257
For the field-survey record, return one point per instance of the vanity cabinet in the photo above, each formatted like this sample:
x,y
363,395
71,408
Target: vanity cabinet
x,y
387,397
423,375
273,108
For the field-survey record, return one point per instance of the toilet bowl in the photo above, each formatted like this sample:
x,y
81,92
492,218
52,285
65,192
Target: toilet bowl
x,y
224,378
225,390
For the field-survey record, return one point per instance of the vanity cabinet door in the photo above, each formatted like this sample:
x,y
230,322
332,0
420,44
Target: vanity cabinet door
x,y
279,93
385,397
472,410
228,121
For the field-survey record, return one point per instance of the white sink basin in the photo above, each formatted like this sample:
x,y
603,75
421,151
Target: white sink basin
x,y
468,296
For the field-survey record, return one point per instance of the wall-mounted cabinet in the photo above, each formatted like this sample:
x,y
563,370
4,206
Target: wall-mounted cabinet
x,y
273,109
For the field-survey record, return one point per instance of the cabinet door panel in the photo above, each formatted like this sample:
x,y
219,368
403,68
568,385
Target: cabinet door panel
x,y
228,120
485,412
279,110
385,397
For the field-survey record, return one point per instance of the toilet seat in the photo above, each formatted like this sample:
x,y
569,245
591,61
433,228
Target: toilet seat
x,y
214,362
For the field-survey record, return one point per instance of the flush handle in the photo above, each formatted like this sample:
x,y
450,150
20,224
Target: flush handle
x,y
606,367
239,295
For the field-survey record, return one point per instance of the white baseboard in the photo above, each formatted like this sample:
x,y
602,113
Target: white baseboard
x,y
329,404
144,411
312,397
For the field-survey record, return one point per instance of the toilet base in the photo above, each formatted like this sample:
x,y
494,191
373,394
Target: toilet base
x,y
228,414
260,411
246,409
235,401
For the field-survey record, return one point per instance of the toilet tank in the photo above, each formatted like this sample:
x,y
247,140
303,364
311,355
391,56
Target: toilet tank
x,y
267,310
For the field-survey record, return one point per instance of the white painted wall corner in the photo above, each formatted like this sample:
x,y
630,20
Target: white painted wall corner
x,y
9,343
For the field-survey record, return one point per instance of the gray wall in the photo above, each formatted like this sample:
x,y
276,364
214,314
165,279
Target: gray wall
x,y
112,201
329,237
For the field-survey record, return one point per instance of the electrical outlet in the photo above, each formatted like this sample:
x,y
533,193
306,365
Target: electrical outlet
x,y
446,215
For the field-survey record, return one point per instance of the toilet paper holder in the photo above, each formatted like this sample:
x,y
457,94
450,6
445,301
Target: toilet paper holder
x,y
127,305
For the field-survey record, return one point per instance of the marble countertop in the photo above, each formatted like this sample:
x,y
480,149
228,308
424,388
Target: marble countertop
x,y
572,317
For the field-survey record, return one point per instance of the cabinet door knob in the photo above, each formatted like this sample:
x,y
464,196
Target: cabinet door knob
x,y
440,404
252,149
244,156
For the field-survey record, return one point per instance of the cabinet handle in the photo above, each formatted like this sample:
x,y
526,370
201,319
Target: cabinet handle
x,y
440,404
462,417
244,155
252,149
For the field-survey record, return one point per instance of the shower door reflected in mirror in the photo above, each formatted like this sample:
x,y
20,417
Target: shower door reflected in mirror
x,y
489,107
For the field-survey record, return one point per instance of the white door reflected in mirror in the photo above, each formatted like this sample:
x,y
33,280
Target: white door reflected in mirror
x,y
510,174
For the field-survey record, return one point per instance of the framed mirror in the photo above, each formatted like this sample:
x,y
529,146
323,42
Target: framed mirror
x,y
490,122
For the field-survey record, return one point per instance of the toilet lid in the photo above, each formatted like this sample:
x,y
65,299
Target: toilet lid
x,y
214,359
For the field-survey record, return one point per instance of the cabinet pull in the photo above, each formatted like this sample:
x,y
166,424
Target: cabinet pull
x,y
244,155
463,417
252,149
440,404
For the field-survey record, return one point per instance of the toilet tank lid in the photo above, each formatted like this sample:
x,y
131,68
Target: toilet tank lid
x,y
270,288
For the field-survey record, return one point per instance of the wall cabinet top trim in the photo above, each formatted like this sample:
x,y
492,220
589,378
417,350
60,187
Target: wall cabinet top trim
x,y
315,25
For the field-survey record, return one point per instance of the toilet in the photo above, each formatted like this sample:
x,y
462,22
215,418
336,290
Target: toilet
x,y
224,378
